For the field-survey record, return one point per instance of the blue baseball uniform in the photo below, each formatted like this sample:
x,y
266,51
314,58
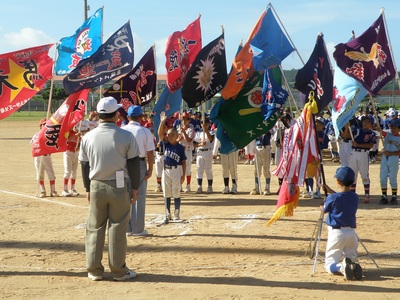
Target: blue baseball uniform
x,y
390,165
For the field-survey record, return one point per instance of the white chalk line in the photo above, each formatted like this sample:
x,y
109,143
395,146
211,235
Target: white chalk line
x,y
42,199
247,219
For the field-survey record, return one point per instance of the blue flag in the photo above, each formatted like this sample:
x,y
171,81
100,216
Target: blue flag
x,y
270,45
274,96
348,94
86,40
168,102
113,59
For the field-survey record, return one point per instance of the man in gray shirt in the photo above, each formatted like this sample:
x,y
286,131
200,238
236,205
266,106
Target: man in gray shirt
x,y
109,157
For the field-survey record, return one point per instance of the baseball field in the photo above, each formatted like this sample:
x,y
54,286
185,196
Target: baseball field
x,y
222,250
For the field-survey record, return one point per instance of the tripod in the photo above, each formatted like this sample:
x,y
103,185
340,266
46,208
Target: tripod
x,y
313,247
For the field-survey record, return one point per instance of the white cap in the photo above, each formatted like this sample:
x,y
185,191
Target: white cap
x,y
107,105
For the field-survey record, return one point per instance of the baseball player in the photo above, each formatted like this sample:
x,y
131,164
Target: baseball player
x,y
390,162
70,158
342,240
363,140
204,157
174,169
159,165
185,138
144,139
45,163
263,162
229,163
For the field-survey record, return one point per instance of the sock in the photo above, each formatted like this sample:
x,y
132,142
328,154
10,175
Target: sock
x,y
384,191
256,181
280,180
177,203
199,182
233,181
210,182
226,181
65,184
366,189
267,183
52,185
188,179
73,183
41,184
168,202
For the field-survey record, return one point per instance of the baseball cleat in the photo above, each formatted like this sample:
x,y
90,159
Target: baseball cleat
x,y
234,189
346,269
74,193
66,194
95,277
384,200
226,190
357,271
54,194
367,199
42,194
393,201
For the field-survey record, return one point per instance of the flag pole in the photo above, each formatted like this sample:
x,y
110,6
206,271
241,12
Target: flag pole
x,y
390,46
288,89
101,38
284,29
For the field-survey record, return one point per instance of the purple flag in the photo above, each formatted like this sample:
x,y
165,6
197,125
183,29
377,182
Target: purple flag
x,y
316,76
368,58
138,87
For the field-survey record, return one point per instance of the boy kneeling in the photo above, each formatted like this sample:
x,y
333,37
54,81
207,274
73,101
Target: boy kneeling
x,y
342,243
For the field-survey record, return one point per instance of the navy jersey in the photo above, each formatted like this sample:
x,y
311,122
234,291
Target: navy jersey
x,y
323,140
264,139
173,154
362,136
341,209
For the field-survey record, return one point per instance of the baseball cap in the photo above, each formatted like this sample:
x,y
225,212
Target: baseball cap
x,y
392,113
320,119
345,174
369,118
108,105
395,122
135,111
42,121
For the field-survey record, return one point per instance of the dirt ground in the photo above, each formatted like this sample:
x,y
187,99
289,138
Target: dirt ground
x,y
223,250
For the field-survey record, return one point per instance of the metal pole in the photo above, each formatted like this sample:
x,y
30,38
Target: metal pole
x,y
85,10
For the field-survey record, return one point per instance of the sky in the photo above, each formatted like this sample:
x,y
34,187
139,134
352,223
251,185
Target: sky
x,y
25,24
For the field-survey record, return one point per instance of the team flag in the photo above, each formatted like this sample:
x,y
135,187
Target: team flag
x,y
368,58
266,46
207,75
23,73
316,76
182,49
86,40
170,103
138,87
348,94
274,96
53,136
113,59
242,117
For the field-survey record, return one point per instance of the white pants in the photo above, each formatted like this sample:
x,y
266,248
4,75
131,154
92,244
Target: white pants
x,y
344,153
204,164
188,153
70,164
47,165
341,243
171,182
359,162
159,165
263,157
229,165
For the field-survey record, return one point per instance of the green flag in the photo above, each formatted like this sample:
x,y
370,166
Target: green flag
x,y
241,117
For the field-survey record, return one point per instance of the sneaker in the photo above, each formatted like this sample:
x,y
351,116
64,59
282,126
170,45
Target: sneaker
x,y
176,215
66,194
130,274
317,195
54,194
234,189
255,192
367,199
393,201
384,200
143,233
346,269
187,189
209,190
266,192
199,190
308,195
158,189
95,277
357,271
42,194
74,193
226,190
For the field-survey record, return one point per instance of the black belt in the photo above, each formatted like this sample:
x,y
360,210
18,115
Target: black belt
x,y
46,155
360,150
142,158
203,149
338,227
170,167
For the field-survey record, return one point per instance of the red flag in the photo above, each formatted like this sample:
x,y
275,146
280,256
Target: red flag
x,y
242,66
53,136
182,49
23,73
